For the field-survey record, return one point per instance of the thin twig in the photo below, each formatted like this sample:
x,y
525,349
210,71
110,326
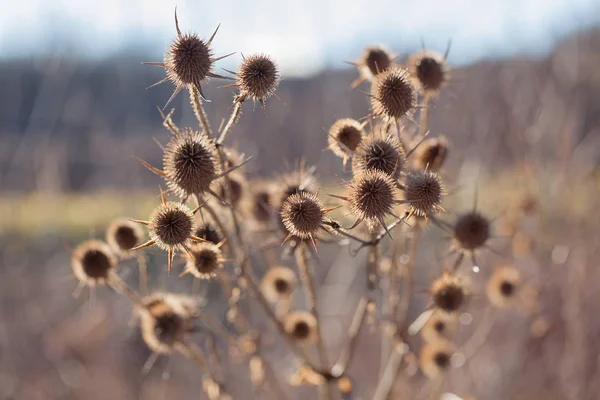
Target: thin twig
x,y
347,353
201,116
233,119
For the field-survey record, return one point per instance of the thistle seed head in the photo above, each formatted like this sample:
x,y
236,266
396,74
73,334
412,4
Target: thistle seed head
x,y
302,214
122,235
374,60
209,231
431,154
504,285
258,77
448,293
371,195
188,60
204,260
471,231
423,192
385,154
278,283
429,70
435,358
92,262
261,203
171,225
301,325
232,188
393,93
189,162
345,135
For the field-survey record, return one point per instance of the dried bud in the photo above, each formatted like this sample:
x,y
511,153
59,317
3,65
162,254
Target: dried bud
x,y
393,93
258,77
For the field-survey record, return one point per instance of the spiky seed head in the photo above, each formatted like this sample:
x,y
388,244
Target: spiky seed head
x,y
371,195
93,262
431,154
504,285
278,283
261,204
393,94
435,358
429,70
344,137
300,180
171,225
423,192
385,154
188,60
165,319
440,325
448,293
374,60
190,163
471,230
258,77
300,325
209,231
205,260
302,214
122,235
232,188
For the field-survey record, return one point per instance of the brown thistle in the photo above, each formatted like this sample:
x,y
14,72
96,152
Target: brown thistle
x,y
429,70
278,283
232,188
301,325
393,94
449,293
303,215
257,78
93,263
374,60
188,62
260,204
431,154
204,260
344,137
383,153
471,231
435,358
171,227
122,235
208,230
423,193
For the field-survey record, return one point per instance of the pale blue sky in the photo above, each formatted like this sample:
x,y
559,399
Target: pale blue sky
x,y
304,36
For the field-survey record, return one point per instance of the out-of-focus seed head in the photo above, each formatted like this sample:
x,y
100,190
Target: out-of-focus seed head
x,y
429,70
393,94
423,192
302,214
385,154
449,293
371,195
300,181
431,154
441,325
122,235
204,260
171,225
258,77
345,135
300,325
209,231
190,163
504,286
261,204
471,231
93,262
278,283
232,188
435,358
374,60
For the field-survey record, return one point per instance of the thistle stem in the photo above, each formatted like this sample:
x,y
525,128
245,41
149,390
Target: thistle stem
x,y
233,119
199,111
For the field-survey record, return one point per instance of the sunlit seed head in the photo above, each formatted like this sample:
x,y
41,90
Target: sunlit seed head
x,y
435,358
423,192
344,136
300,325
122,235
393,93
171,225
302,214
258,77
383,153
471,231
209,231
431,154
374,60
205,260
429,70
93,262
190,163
278,283
448,293
504,285
371,195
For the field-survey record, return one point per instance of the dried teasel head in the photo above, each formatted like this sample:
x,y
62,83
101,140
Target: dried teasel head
x,y
471,231
188,62
436,358
278,283
303,215
393,93
380,152
371,196
261,203
257,78
374,60
208,230
344,137
93,262
429,70
232,188
423,192
431,154
449,293
203,260
301,325
440,325
165,320
122,235
296,182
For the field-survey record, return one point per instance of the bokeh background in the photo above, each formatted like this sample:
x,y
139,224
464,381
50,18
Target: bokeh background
x,y
522,114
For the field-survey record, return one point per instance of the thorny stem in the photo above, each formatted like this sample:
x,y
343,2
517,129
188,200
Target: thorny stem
x,y
424,116
233,119
372,263
201,116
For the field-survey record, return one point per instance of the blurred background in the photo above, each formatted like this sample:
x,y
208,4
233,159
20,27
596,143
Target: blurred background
x,y
522,114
